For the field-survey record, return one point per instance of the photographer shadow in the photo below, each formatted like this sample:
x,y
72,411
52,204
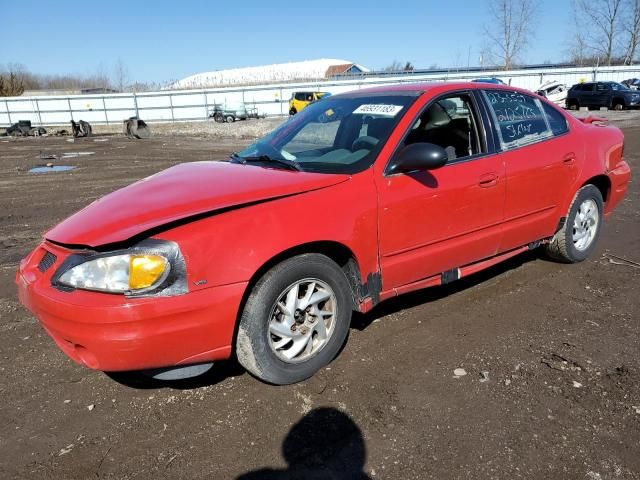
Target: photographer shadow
x,y
325,444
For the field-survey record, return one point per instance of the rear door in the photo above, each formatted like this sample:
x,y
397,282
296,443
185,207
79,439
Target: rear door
x,y
586,95
602,95
541,158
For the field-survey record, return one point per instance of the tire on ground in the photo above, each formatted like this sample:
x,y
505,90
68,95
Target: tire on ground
x,y
252,345
561,247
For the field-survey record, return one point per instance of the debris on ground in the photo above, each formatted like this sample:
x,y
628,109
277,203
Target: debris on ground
x,y
24,129
459,372
616,260
135,127
81,128
484,376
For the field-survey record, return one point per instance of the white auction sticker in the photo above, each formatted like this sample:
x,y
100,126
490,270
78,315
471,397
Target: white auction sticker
x,y
378,109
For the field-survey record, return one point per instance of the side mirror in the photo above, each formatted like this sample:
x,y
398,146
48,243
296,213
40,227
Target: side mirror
x,y
418,156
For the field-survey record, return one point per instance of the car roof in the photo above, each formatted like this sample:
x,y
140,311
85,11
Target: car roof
x,y
433,87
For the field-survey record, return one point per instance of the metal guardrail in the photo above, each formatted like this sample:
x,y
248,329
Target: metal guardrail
x,y
168,105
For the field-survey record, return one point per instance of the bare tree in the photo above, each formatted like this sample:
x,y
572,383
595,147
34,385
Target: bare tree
x,y
631,28
509,29
11,85
120,75
603,18
394,66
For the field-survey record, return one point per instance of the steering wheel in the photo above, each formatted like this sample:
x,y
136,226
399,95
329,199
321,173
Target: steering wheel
x,y
367,142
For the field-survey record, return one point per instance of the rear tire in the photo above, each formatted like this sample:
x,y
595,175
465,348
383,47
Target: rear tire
x,y
577,238
292,111
574,105
230,119
618,105
270,355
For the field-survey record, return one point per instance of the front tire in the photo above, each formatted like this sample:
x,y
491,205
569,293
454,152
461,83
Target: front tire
x,y
295,319
292,111
577,238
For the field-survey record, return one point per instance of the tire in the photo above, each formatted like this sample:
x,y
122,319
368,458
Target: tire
x,y
230,119
292,111
565,246
574,105
618,105
218,118
262,351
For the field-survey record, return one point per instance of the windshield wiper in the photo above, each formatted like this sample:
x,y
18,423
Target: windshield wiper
x,y
288,164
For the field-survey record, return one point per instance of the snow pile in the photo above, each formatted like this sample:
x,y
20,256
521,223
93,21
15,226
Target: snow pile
x,y
282,72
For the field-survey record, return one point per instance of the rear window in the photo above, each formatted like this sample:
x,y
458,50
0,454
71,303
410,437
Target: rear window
x,y
519,118
557,122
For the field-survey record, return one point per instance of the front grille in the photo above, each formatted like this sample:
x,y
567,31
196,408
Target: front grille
x,y
47,261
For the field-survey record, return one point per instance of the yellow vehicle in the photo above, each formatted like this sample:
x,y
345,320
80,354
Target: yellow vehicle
x,y
300,100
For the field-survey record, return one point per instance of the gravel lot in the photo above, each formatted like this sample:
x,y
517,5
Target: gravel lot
x,y
551,355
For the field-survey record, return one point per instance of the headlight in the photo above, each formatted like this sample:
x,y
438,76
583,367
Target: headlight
x,y
151,267
118,273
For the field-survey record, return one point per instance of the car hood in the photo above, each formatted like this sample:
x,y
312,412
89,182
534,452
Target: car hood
x,y
180,192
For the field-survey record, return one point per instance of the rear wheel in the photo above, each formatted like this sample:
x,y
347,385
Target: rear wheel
x,y
618,104
577,238
292,111
230,119
295,320
573,105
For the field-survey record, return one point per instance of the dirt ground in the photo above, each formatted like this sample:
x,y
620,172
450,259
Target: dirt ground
x,y
551,354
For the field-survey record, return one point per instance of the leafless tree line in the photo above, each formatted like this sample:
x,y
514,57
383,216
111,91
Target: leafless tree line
x,y
606,32
16,78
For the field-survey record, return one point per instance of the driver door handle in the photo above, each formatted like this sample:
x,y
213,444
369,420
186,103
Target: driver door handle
x,y
488,180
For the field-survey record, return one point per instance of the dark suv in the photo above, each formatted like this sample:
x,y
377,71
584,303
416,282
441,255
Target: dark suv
x,y
612,95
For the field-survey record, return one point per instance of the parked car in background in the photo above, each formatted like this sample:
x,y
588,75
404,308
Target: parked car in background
x,y
494,80
553,91
300,100
359,198
632,83
612,95
228,113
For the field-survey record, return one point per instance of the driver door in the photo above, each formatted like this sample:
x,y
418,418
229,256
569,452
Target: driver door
x,y
438,220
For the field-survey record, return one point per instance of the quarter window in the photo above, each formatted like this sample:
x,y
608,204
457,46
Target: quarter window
x,y
519,118
557,122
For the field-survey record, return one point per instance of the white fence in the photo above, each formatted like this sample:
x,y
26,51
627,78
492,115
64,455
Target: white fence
x,y
193,105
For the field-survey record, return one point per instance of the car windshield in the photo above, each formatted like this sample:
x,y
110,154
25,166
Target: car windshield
x,y
340,134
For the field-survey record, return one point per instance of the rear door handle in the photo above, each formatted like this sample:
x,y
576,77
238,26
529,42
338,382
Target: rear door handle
x,y
569,158
488,180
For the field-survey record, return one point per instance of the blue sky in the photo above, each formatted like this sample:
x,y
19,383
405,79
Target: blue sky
x,y
168,40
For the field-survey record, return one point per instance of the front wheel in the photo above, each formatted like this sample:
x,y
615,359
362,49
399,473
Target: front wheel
x,y
295,320
292,111
577,238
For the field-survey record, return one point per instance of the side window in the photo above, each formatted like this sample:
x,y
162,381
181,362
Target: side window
x,y
587,87
557,122
300,96
452,123
518,117
601,87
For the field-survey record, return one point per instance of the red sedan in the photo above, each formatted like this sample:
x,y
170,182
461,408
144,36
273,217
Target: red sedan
x,y
360,197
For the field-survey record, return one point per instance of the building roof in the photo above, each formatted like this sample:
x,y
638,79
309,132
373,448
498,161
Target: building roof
x,y
280,72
